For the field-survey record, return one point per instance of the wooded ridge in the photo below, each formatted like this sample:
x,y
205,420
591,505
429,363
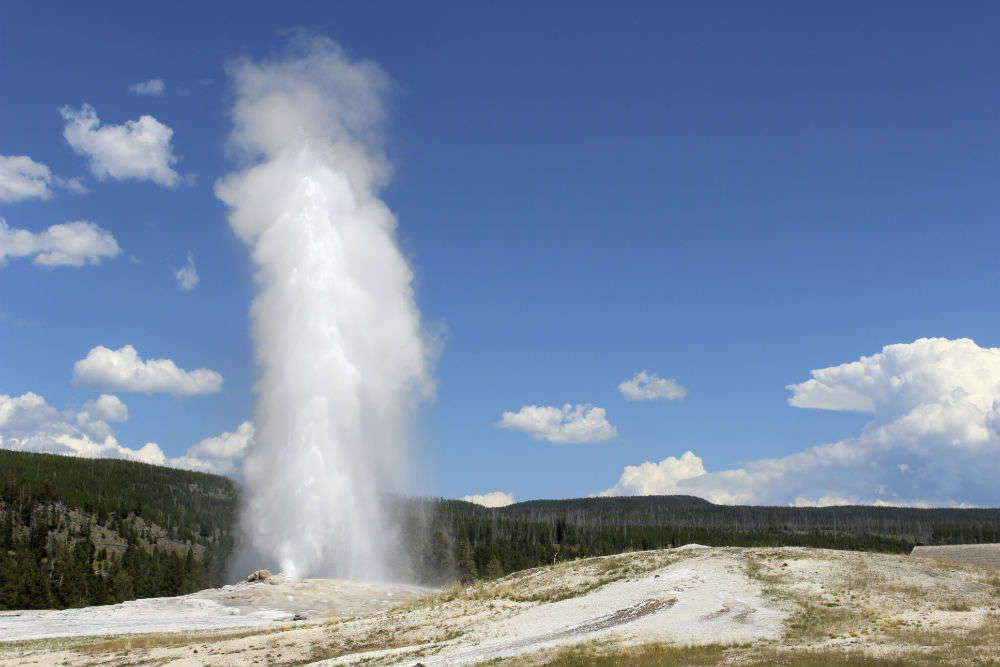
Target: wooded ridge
x,y
77,532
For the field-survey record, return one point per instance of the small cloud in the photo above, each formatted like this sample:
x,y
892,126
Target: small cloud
x,y
69,244
74,185
154,87
650,387
138,149
125,370
21,178
576,424
492,499
187,276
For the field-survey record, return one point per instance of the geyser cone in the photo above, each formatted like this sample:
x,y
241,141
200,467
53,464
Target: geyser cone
x,y
339,347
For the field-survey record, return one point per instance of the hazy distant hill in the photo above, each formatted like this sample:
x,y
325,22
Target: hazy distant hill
x,y
91,531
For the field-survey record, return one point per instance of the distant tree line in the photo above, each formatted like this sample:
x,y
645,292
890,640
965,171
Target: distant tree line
x,y
451,539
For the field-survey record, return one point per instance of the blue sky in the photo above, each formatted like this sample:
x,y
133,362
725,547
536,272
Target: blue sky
x,y
728,197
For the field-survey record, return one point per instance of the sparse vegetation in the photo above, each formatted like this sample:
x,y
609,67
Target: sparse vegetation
x,y
668,655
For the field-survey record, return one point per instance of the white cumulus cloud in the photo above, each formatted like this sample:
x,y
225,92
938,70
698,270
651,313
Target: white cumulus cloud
x,y
29,424
226,445
187,276
22,178
68,244
106,407
934,436
650,479
221,454
138,149
154,87
648,387
570,423
492,499
124,370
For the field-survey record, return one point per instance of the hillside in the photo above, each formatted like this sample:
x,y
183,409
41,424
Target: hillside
x,y
694,606
76,532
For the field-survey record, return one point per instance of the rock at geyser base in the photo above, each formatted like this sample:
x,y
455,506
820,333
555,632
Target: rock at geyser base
x,y
259,575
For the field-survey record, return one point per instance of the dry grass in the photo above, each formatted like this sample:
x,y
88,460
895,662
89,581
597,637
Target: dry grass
x,y
573,578
664,655
865,615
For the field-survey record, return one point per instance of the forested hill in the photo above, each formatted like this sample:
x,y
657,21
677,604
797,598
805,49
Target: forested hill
x,y
77,532
83,531
466,541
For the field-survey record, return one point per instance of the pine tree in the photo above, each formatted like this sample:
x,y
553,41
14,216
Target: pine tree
x,y
465,564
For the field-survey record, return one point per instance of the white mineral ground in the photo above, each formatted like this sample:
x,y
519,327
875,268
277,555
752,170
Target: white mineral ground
x,y
883,604
242,605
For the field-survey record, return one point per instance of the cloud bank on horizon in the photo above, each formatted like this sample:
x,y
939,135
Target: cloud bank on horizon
x,y
491,499
29,424
934,437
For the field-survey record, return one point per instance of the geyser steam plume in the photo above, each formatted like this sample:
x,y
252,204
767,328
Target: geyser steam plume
x,y
342,360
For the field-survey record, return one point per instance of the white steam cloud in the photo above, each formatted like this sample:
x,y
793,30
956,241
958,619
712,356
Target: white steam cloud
x,y
341,357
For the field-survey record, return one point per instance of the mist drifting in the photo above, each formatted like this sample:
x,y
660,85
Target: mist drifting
x,y
339,348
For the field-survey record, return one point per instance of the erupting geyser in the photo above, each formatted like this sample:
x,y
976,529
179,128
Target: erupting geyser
x,y
341,356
